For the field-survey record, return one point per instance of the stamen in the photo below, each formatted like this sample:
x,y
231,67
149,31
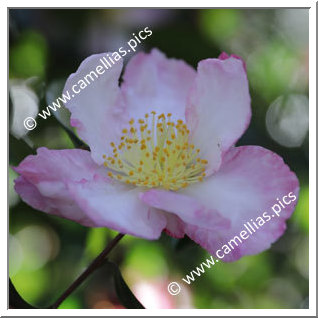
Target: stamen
x,y
156,152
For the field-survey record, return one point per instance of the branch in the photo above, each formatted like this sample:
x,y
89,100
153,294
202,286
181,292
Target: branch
x,y
90,269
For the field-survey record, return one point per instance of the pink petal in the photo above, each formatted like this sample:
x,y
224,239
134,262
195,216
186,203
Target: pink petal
x,y
43,181
248,183
225,56
218,110
98,111
69,184
175,226
117,207
186,208
154,82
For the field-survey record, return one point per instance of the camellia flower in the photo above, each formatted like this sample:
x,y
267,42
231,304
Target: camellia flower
x,y
162,157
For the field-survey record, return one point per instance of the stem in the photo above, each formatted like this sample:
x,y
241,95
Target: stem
x,y
90,269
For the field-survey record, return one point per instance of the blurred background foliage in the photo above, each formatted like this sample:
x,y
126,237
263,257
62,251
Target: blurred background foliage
x,y
47,253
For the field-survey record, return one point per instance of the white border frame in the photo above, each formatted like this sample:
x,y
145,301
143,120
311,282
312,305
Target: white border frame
x,y
312,164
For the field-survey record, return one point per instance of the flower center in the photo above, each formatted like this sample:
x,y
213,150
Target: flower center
x,y
156,153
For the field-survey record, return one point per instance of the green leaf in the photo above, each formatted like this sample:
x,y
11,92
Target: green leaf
x,y
124,294
28,55
76,141
183,243
15,300
18,150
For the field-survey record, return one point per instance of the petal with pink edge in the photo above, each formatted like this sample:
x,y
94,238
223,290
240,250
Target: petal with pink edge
x,y
225,56
186,208
69,184
175,226
98,112
115,206
248,184
43,181
152,82
218,110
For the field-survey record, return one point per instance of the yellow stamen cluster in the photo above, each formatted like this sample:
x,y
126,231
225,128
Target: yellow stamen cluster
x,y
155,152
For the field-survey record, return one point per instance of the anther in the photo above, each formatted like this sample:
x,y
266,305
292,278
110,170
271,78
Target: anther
x,y
156,156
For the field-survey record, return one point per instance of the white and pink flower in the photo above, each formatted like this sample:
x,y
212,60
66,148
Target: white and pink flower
x,y
162,157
